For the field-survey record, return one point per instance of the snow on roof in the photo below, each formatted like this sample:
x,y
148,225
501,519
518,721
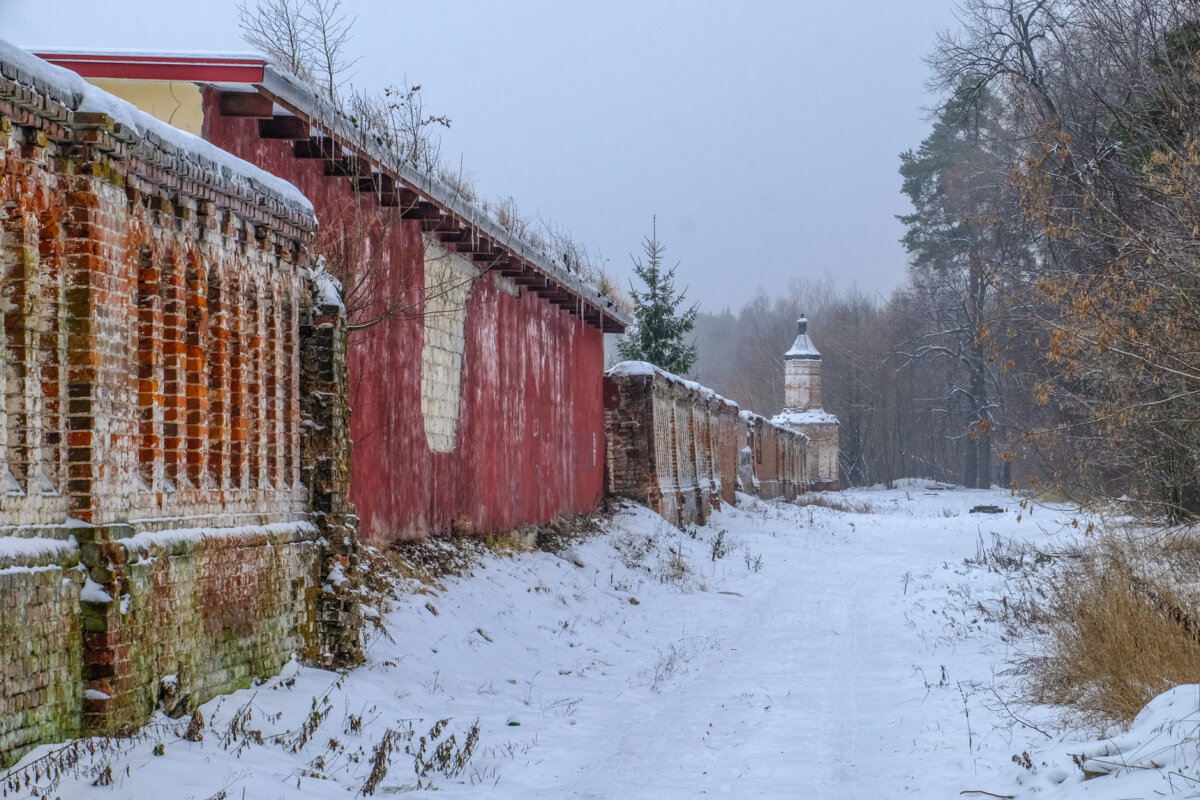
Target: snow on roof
x,y
813,416
72,91
157,65
803,347
169,55
288,89
627,369
750,418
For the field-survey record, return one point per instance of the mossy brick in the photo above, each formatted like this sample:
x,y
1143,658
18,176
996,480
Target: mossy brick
x,y
263,638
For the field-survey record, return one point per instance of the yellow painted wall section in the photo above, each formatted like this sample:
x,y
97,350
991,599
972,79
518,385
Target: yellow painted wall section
x,y
177,103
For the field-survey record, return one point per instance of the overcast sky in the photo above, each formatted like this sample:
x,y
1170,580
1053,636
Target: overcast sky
x,y
764,134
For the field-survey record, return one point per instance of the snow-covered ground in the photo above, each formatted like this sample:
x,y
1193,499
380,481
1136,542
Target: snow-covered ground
x,y
781,651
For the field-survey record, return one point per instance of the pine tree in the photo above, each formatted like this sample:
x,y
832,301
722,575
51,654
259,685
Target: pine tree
x,y
965,232
658,330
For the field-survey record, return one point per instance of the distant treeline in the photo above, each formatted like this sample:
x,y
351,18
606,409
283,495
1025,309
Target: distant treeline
x,y
900,416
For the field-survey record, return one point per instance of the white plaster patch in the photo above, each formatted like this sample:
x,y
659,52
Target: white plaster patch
x,y
505,285
448,281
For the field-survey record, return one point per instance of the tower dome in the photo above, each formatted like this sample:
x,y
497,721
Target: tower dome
x,y
803,347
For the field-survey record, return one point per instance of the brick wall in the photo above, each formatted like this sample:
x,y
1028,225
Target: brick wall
x,y
778,458
823,468
154,523
671,444
204,610
41,694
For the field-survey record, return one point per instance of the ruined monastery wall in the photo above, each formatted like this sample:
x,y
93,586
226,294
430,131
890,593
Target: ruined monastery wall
x,y
676,447
778,457
158,544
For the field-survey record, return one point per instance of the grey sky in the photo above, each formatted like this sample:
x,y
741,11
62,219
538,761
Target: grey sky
x,y
764,134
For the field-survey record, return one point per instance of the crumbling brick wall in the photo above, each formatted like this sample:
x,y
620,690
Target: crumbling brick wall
x,y
325,470
671,444
777,459
154,525
823,469
41,695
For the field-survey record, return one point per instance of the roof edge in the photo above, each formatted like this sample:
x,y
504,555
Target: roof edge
x,y
294,92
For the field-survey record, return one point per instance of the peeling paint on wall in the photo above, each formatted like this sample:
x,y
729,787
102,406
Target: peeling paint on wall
x,y
449,279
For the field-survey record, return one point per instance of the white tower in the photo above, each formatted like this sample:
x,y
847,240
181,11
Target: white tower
x,y
803,412
802,372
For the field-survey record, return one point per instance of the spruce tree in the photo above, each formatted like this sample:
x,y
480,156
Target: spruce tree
x,y
657,333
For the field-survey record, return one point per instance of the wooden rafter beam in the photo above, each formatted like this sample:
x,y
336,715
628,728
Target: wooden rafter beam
x,y
474,244
410,204
461,236
388,192
321,147
345,167
246,104
292,128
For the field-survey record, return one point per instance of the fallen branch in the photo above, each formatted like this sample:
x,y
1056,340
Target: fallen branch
x,y
989,794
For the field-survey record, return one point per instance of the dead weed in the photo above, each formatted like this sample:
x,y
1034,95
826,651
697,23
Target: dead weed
x,y
1115,636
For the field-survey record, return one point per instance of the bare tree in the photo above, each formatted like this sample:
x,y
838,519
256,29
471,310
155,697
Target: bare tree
x,y
281,30
329,35
306,37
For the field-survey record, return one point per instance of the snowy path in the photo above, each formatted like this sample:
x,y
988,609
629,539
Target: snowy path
x,y
827,654
803,682
811,691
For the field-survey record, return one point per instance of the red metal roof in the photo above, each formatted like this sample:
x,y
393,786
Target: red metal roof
x,y
197,67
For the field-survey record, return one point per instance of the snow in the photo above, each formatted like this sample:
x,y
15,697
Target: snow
x,y
246,55
337,579
750,418
94,593
813,416
329,290
640,369
77,94
35,548
824,651
148,540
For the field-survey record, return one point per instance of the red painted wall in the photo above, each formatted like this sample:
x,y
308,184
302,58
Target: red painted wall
x,y
531,426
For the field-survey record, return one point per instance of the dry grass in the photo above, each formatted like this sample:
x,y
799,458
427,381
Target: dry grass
x,y
1116,640
419,565
834,503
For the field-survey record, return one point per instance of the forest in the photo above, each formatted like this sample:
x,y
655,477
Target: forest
x,y
1048,329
